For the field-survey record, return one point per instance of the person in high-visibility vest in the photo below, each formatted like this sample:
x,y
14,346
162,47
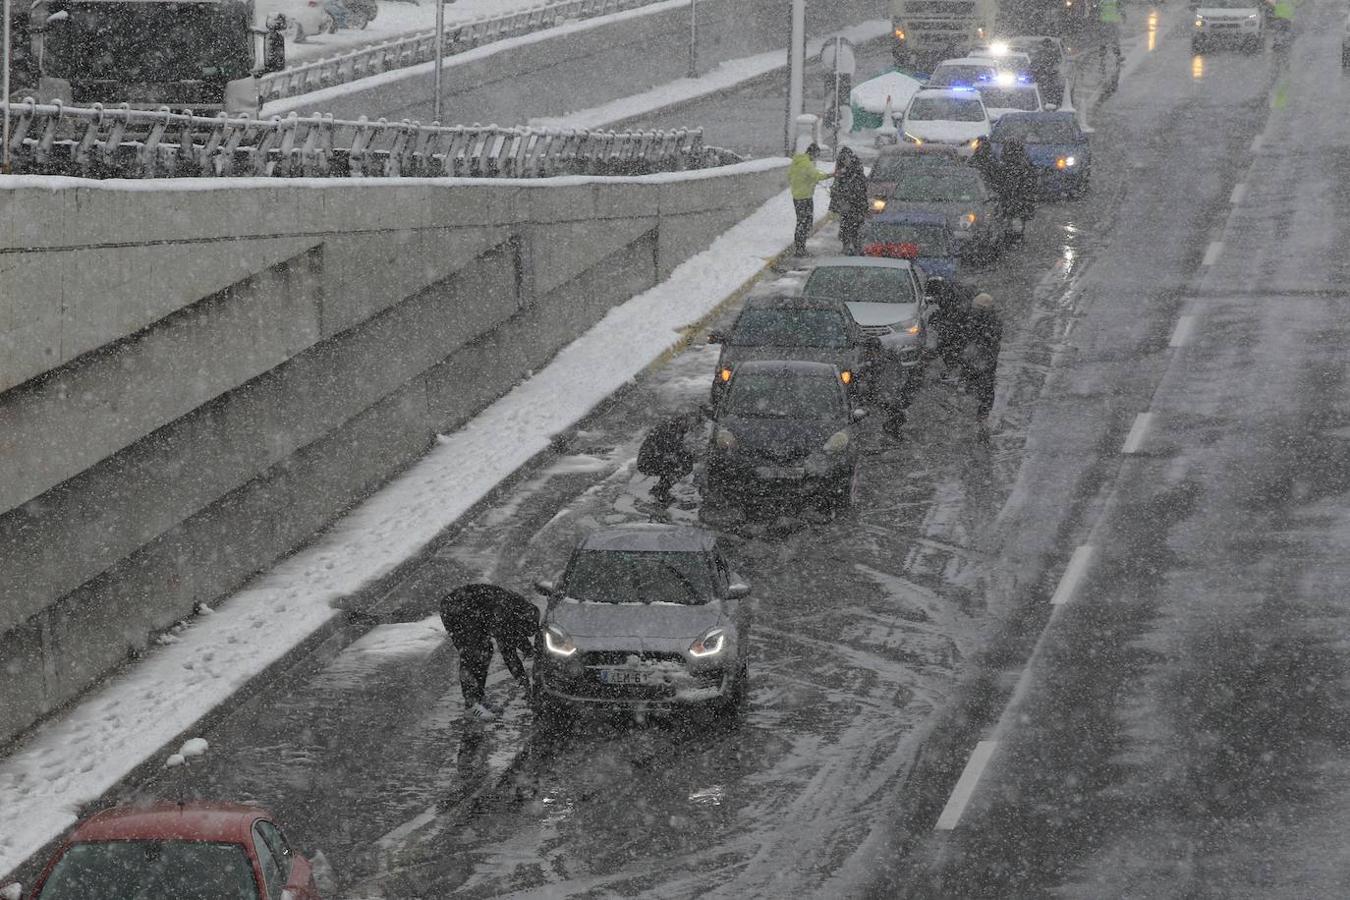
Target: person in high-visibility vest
x,y
1282,26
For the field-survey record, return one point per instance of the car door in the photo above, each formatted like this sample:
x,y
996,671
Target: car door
x,y
274,869
297,874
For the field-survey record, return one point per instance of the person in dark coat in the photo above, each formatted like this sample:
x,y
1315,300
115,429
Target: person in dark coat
x,y
1017,181
984,162
848,198
979,357
1045,63
664,456
950,320
475,615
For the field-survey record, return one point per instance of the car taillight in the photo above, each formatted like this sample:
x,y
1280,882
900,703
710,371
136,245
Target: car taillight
x,y
903,250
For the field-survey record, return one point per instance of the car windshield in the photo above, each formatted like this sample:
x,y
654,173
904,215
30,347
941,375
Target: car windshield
x,y
861,284
960,74
932,240
785,397
823,328
946,109
1032,131
149,870
619,576
893,166
944,187
1010,98
151,42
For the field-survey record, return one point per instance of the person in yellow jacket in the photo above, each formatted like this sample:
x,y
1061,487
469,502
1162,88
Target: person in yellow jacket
x,y
1110,16
803,176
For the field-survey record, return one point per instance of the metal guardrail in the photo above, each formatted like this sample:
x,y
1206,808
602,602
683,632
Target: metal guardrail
x,y
51,139
420,47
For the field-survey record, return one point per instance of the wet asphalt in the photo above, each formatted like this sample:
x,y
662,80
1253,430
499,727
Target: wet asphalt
x,y
873,627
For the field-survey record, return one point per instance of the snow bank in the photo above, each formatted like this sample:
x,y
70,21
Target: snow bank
x,y
725,76
871,94
75,758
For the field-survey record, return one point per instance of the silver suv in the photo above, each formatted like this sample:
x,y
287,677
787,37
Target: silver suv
x,y
644,617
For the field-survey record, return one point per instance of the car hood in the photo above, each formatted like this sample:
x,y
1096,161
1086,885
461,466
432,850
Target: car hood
x,y
874,314
952,211
843,357
947,132
781,439
651,624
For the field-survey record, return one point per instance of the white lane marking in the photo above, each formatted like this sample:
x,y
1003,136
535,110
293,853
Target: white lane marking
x,y
1212,253
1181,335
1135,439
1073,574
965,786
1257,142
1239,194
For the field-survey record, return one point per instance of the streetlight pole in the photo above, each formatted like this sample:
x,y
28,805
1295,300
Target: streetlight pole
x,y
693,38
796,71
440,57
4,94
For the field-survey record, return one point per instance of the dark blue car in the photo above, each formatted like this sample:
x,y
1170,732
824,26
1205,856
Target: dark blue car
x,y
1059,150
926,238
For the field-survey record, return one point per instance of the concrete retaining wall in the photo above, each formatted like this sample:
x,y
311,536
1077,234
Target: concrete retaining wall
x,y
581,66
212,373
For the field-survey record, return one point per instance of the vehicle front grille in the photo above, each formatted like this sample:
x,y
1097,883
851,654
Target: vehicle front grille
x,y
876,330
620,657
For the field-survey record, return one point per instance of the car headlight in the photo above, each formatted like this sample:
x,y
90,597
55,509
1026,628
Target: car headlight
x,y
1253,17
899,34
846,376
725,440
917,141
878,205
558,643
1199,22
724,374
1066,162
967,221
911,327
711,644
973,143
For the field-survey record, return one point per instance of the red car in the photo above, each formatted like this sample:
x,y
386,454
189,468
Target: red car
x,y
203,851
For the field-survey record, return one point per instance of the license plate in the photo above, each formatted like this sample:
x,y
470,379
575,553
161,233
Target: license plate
x,y
777,472
624,676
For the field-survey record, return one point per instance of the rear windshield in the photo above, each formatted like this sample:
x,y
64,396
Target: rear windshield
x,y
1010,98
1033,132
824,328
892,166
785,397
944,187
944,74
946,109
861,284
618,576
932,240
124,870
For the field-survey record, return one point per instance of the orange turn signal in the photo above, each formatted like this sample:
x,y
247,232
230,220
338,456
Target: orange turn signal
x,y
846,376
725,374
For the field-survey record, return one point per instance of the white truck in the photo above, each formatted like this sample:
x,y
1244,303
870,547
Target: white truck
x,y
925,32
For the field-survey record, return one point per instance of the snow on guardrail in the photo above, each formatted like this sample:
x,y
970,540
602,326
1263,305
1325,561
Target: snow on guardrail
x,y
51,139
420,47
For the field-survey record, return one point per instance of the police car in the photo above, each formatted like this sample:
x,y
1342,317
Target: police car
x,y
951,117
1230,22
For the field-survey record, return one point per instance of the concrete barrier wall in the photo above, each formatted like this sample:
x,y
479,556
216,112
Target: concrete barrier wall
x,y
257,357
581,66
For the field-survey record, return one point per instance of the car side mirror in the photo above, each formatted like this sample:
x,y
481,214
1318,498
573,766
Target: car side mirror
x,y
545,587
1051,107
54,18
716,337
738,589
11,891
859,414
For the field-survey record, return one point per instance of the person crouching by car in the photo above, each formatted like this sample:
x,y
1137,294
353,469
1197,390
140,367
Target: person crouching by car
x,y
664,454
474,616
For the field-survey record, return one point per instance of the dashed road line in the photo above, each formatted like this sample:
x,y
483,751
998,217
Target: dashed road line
x,y
1239,194
965,786
1073,574
1212,253
1181,335
1138,431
